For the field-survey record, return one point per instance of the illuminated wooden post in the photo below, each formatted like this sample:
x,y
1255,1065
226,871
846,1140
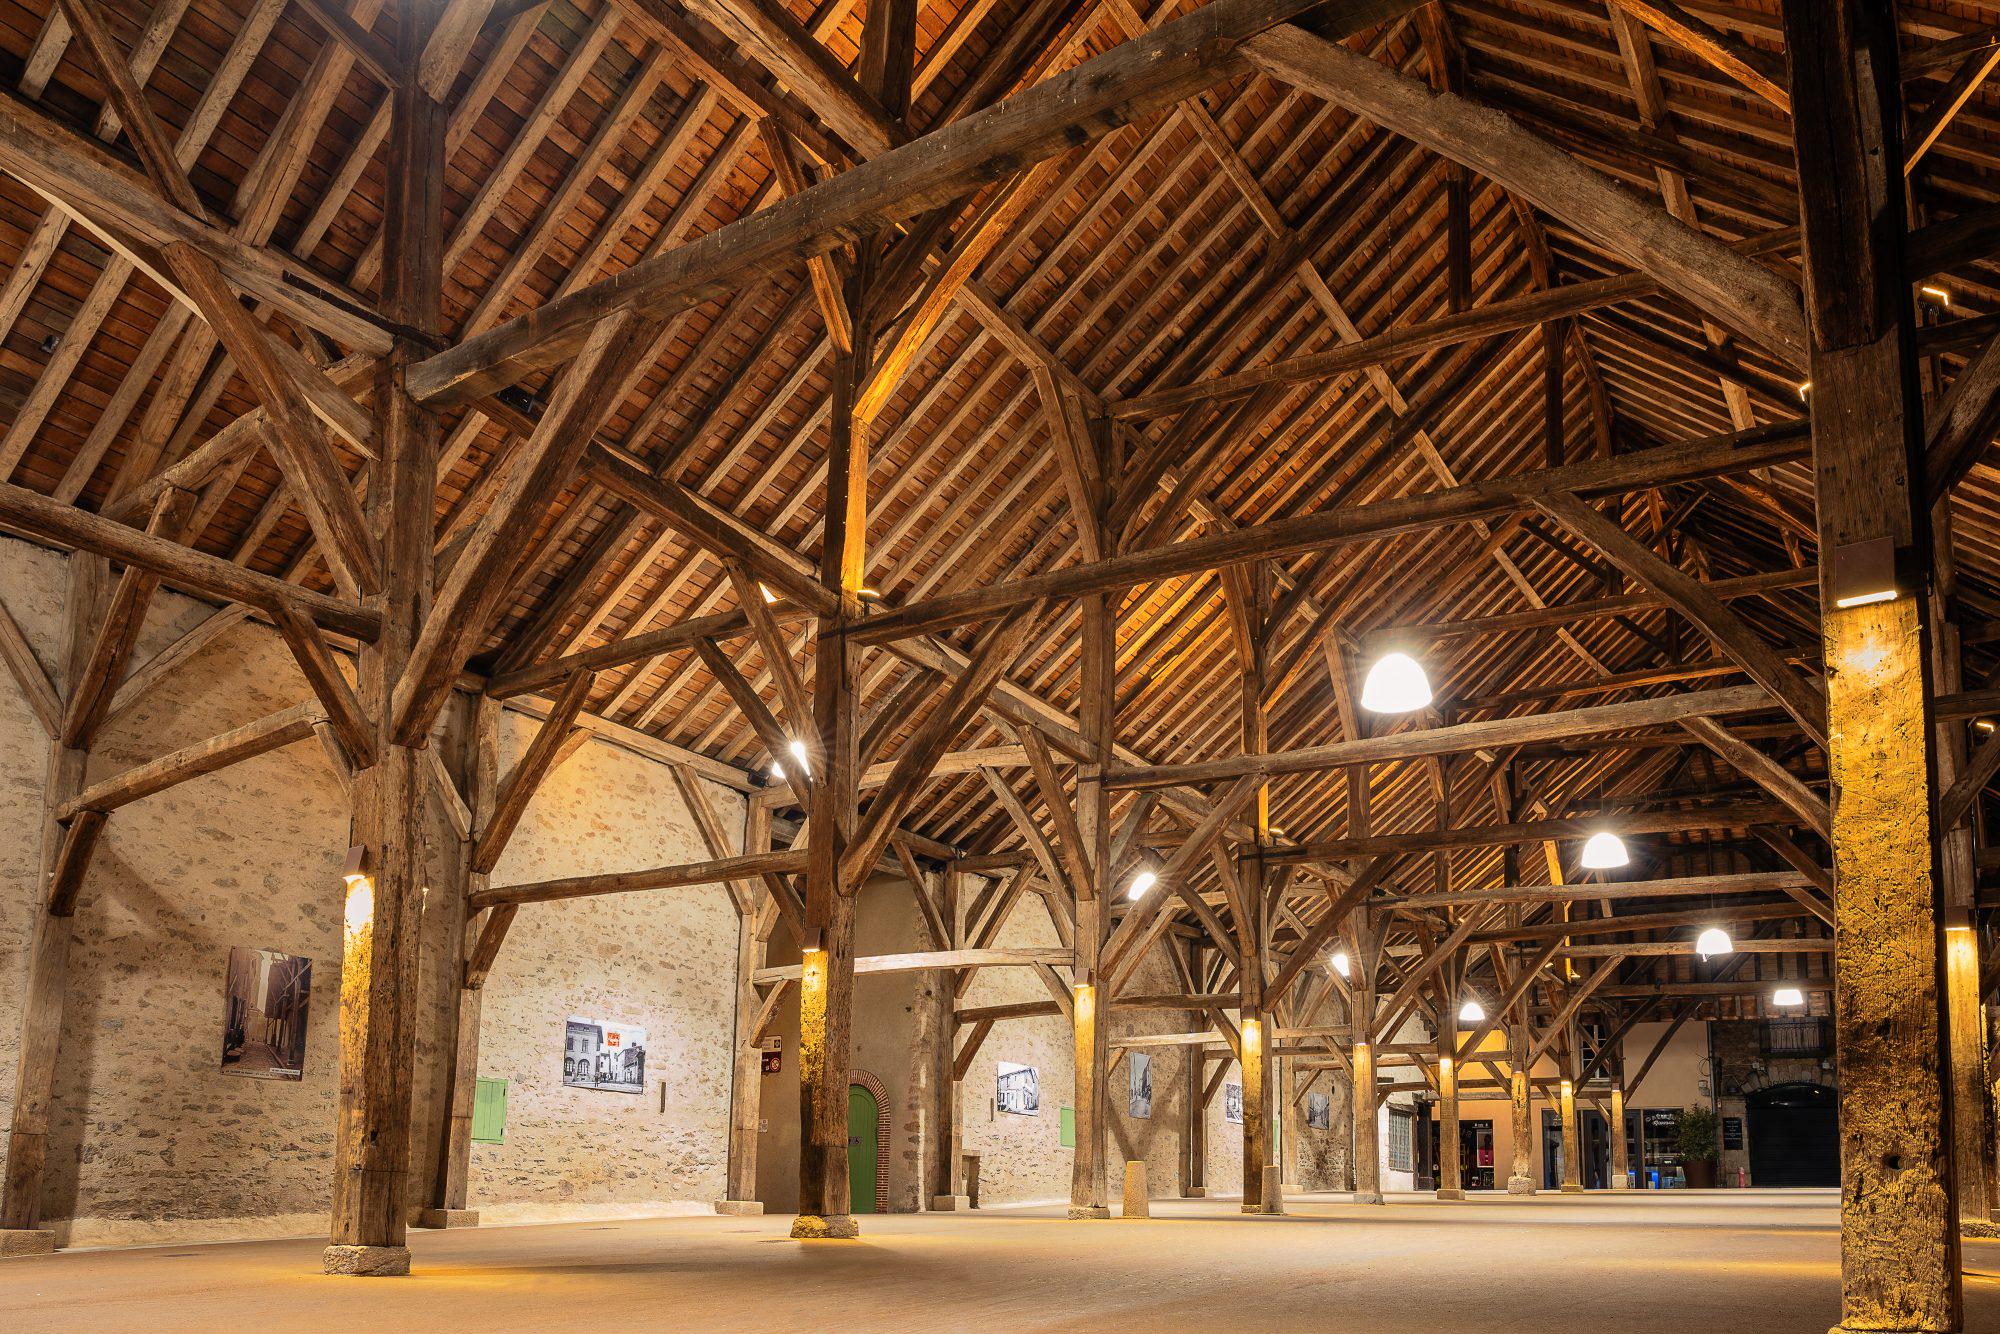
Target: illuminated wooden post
x,y
1621,1159
1367,1098
1249,605
1572,1182
1521,1172
946,1165
1899,1218
826,982
1098,649
1449,1173
384,899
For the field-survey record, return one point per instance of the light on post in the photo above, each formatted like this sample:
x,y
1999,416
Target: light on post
x,y
1395,684
360,907
1864,573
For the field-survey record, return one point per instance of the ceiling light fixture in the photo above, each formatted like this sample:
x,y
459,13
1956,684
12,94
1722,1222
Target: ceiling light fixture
x,y
1604,851
1395,684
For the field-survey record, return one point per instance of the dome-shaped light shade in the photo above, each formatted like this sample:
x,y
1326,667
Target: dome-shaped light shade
x,y
1712,942
1395,684
1339,963
1472,1012
1141,882
1604,851
1788,996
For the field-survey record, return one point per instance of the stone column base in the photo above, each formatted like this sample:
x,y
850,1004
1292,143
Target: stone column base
x,y
366,1261
950,1204
1447,1193
1967,1227
27,1241
1568,1189
832,1227
1089,1211
1368,1197
447,1218
1520,1185
1621,1183
745,1208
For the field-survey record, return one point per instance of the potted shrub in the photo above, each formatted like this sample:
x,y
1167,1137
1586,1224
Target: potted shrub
x,y
1697,1141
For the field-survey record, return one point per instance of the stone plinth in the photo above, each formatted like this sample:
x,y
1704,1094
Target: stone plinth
x,y
447,1218
1520,1186
367,1261
827,1227
26,1241
1137,1204
743,1208
950,1204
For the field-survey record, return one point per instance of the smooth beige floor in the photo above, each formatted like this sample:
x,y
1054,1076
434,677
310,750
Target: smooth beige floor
x,y
1601,1264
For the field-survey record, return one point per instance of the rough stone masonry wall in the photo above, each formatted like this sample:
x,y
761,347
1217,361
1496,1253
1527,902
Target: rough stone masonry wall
x,y
155,1142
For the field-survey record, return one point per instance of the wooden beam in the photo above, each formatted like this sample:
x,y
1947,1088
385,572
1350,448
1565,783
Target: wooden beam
x,y
1468,503
218,752
534,765
1486,734
1732,816
1760,73
718,871
931,961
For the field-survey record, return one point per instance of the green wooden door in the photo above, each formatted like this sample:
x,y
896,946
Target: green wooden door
x,y
861,1116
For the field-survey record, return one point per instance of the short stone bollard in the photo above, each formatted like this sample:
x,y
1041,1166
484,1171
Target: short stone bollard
x,y
1137,1205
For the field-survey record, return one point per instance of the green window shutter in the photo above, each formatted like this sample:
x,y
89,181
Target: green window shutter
x,y
489,1110
1069,1127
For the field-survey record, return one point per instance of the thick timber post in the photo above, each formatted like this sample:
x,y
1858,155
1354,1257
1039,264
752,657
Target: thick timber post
x,y
945,1164
1899,1218
1100,724
1367,1098
746,1066
1572,1141
1621,1158
1249,597
47,989
379,940
451,1187
1521,1170
1450,1177
826,983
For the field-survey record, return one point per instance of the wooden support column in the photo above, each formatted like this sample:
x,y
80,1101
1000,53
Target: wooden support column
x,y
379,940
448,1204
1899,1217
1367,1101
944,1167
47,986
1621,1154
1572,1141
746,1067
1087,1194
1194,1167
1450,1178
1250,607
1521,1171
826,984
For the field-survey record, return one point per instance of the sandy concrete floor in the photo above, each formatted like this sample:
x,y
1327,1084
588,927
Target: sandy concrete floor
x,y
1767,1262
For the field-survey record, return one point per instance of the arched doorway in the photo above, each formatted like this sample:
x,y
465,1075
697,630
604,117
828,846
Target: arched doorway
x,y
867,1143
1794,1136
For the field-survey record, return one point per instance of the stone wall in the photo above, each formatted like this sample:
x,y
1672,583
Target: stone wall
x,y
154,1141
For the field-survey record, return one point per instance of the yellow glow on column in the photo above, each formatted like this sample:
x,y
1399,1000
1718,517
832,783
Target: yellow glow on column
x,y
1086,1001
1253,1035
1444,1065
1568,1089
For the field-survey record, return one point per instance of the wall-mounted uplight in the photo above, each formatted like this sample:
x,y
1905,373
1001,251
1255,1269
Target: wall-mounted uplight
x,y
360,907
1395,684
1141,882
1712,942
1805,387
1604,851
1789,997
1341,964
765,589
1864,573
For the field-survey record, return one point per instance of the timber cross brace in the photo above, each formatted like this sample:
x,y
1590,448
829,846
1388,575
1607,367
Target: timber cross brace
x,y
1222,501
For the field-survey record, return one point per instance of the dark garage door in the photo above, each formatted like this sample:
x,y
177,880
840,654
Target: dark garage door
x,y
1794,1136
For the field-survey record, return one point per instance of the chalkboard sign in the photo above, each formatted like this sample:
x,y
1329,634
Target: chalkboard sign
x,y
1732,1132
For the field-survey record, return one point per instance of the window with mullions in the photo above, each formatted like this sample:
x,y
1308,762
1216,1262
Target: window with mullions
x,y
1401,1158
1795,1037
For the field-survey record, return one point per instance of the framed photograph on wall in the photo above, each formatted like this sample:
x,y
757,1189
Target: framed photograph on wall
x,y
1232,1104
604,1054
1017,1089
267,999
1319,1111
1139,1090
